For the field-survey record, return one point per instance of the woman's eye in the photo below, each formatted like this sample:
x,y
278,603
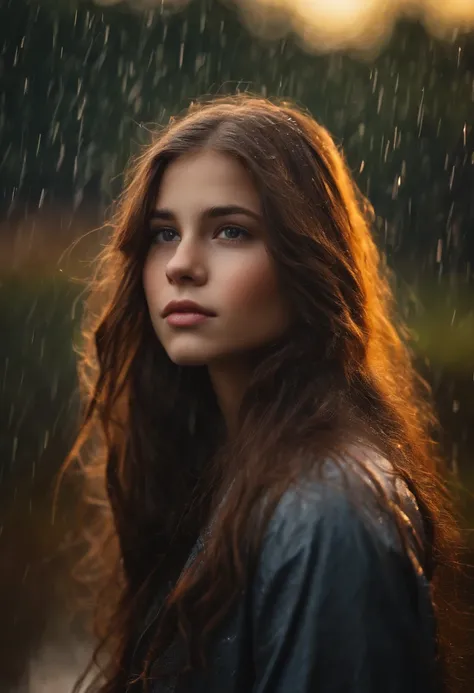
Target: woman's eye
x,y
229,233
236,233
162,235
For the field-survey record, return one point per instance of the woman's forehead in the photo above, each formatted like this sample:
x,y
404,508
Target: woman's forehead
x,y
206,179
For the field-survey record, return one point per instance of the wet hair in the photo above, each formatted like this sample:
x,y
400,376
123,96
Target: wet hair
x,y
151,448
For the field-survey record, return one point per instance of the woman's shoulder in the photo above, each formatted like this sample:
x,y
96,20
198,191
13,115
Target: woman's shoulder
x,y
347,503
335,597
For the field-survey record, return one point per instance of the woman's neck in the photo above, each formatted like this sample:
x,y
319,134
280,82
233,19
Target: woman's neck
x,y
229,380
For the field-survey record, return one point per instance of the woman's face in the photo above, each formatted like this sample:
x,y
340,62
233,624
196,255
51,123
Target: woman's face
x,y
209,246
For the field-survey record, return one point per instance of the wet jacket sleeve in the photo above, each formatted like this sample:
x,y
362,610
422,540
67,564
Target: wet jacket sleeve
x,y
337,607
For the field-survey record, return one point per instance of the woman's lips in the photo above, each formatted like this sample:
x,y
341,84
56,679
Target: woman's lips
x,y
185,319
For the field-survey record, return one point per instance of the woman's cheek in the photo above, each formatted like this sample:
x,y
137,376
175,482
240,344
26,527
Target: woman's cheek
x,y
153,281
251,285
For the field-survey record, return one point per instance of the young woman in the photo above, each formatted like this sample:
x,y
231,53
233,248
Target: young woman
x,y
254,420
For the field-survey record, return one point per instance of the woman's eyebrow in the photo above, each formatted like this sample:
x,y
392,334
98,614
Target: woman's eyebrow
x,y
212,213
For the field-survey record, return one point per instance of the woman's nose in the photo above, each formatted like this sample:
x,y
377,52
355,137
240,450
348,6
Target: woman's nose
x,y
187,263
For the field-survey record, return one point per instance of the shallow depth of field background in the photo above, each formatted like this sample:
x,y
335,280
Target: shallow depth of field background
x,y
82,85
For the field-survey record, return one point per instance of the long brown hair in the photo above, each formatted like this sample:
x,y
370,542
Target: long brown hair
x,y
151,446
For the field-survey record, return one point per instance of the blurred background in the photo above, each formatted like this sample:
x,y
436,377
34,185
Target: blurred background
x,y
82,85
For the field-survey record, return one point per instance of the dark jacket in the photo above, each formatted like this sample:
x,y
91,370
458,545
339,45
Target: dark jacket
x,y
336,604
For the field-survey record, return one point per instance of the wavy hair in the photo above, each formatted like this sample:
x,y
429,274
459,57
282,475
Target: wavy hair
x,y
151,448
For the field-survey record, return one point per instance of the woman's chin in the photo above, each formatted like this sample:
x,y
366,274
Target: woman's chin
x,y
189,358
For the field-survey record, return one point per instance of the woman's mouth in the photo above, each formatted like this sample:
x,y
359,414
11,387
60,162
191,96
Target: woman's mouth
x,y
186,319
